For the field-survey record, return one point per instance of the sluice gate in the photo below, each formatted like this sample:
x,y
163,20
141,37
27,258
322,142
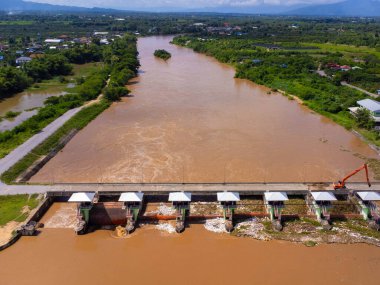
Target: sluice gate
x,y
126,209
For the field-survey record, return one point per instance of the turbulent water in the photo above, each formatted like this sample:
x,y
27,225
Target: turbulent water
x,y
189,120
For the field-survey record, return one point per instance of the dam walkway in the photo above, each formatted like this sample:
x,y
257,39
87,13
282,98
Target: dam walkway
x,y
252,188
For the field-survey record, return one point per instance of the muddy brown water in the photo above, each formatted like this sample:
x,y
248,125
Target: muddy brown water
x,y
197,256
24,102
189,120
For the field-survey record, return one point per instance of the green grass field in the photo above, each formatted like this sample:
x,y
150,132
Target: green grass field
x,y
343,49
18,23
11,207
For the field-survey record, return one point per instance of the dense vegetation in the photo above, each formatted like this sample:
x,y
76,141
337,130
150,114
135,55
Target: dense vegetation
x,y
291,71
163,54
12,80
121,56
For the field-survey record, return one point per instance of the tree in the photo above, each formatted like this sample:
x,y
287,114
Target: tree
x,y
115,93
364,119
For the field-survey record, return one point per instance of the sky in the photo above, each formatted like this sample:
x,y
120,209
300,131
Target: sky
x,y
185,4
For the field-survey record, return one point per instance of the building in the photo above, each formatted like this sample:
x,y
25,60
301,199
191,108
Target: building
x,y
101,34
22,60
54,41
372,106
104,42
345,68
378,92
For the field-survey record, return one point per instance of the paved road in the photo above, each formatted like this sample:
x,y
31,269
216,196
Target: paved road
x,y
18,153
344,83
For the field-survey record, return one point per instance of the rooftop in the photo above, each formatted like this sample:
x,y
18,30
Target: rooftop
x,y
180,197
131,197
228,196
323,196
276,196
369,196
82,197
369,104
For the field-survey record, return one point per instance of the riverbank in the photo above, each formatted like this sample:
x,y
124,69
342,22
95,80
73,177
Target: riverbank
x,y
78,122
14,210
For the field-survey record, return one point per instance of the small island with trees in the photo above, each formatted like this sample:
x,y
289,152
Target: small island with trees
x,y
163,54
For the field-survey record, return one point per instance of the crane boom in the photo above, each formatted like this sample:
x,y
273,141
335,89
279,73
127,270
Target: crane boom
x,y
342,184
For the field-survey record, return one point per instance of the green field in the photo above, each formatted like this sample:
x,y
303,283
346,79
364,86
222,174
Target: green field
x,y
346,49
19,23
11,207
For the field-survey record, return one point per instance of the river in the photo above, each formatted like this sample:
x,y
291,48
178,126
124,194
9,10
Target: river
x,y
149,256
190,120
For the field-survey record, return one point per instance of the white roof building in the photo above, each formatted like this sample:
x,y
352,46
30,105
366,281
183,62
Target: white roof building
x,y
369,196
370,105
100,33
131,197
53,41
276,196
323,196
104,42
180,197
82,197
22,60
228,196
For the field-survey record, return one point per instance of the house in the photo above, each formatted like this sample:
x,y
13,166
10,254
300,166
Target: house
x,y
337,67
333,66
345,68
378,92
372,106
104,42
22,60
100,33
36,55
54,41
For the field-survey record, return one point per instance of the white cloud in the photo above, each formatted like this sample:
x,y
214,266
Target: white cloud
x,y
180,3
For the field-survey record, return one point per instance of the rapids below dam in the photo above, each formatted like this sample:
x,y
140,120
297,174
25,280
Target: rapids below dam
x,y
190,120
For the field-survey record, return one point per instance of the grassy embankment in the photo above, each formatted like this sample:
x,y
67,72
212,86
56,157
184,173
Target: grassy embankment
x,y
12,208
54,108
79,121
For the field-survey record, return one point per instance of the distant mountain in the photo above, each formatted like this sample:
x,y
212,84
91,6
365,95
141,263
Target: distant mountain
x,y
256,9
360,8
20,5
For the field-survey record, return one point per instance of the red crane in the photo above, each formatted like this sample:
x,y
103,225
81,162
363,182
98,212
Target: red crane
x,y
342,184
